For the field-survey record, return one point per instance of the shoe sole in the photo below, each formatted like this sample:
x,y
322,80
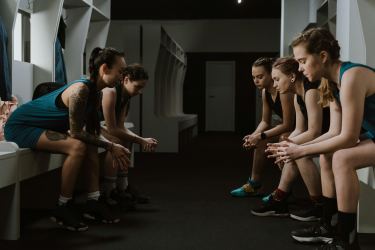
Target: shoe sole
x,y
304,219
73,229
270,214
312,239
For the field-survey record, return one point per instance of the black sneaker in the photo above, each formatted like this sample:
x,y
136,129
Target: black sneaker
x,y
337,244
137,196
312,213
272,208
125,200
98,210
318,233
67,217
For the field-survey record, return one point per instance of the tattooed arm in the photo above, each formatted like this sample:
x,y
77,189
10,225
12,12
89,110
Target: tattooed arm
x,y
77,105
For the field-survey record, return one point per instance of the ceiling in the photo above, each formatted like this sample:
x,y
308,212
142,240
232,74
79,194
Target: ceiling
x,y
194,9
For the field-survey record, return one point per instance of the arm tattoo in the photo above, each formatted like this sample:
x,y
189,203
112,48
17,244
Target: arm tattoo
x,y
55,136
77,107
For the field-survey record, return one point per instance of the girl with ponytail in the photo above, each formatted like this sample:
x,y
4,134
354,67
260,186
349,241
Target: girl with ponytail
x,y
272,101
115,108
311,121
66,121
351,95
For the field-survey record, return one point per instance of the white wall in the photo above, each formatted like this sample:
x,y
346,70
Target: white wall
x,y
256,35
295,16
126,37
349,31
366,10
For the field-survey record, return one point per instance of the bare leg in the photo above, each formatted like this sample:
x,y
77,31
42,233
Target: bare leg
x,y
288,175
345,164
310,176
258,160
74,149
328,183
91,169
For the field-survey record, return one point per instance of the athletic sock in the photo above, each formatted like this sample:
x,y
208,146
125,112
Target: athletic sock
x,y
330,211
122,180
279,195
108,185
254,184
347,230
63,200
316,199
93,195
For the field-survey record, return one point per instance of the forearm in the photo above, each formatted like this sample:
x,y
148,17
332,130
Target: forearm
x,y
277,130
93,140
262,126
321,138
125,135
328,146
295,133
304,137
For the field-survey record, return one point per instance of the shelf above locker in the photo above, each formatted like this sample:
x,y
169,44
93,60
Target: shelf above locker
x,y
70,4
104,6
98,15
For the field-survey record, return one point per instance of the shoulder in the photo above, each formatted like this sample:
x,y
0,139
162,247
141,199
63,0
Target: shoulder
x,y
286,97
109,92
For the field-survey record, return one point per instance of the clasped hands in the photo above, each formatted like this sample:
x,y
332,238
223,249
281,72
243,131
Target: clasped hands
x,y
284,151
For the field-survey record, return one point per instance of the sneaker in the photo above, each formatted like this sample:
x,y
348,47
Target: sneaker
x,y
313,213
246,190
125,200
272,208
318,233
337,244
137,196
266,198
67,217
98,210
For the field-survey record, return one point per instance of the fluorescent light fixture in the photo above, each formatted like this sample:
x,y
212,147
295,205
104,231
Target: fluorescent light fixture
x,y
239,1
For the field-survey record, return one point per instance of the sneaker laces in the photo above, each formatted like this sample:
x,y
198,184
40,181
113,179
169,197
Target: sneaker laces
x,y
248,188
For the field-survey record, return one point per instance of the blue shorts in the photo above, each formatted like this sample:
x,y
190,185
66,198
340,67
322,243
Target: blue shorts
x,y
24,136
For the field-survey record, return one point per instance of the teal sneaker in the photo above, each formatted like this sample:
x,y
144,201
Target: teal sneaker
x,y
246,190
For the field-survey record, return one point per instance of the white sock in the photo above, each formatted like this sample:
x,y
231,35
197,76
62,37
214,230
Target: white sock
x,y
93,195
122,180
108,184
63,200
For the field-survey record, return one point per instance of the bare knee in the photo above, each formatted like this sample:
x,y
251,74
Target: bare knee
x,y
341,162
325,161
78,149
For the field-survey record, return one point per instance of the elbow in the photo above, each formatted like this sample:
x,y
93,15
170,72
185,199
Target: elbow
x,y
287,127
112,131
334,132
349,140
315,134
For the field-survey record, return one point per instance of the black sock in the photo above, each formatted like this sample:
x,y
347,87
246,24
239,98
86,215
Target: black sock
x,y
330,211
347,230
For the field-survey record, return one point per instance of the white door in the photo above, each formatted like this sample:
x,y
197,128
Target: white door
x,y
220,86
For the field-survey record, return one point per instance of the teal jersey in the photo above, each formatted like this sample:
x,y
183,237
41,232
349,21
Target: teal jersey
x,y
368,122
28,122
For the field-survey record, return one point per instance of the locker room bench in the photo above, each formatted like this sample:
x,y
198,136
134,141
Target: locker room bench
x,y
16,165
